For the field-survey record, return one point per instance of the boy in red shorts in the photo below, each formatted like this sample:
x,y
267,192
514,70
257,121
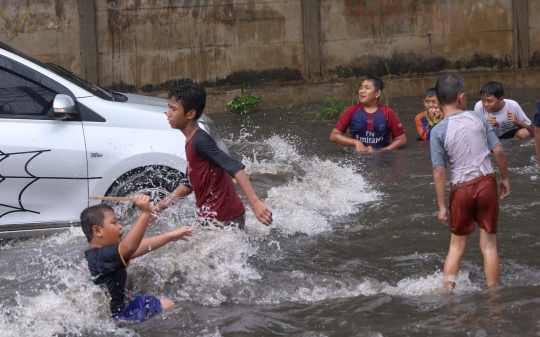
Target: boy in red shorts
x,y
465,139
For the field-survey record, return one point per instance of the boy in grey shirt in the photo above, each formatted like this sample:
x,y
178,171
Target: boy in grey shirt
x,y
465,139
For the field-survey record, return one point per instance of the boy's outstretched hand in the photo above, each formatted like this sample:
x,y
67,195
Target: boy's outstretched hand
x,y
181,233
143,202
262,212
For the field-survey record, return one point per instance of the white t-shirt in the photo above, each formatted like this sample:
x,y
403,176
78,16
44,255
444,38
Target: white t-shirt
x,y
502,119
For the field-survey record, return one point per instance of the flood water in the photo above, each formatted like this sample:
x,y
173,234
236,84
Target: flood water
x,y
355,250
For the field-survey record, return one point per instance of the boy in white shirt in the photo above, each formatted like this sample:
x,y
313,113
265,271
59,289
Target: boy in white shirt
x,y
505,115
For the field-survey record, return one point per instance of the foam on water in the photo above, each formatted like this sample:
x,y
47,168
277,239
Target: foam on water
x,y
214,266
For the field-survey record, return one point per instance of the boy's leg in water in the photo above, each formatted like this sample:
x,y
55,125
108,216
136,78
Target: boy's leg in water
x,y
488,245
458,243
166,303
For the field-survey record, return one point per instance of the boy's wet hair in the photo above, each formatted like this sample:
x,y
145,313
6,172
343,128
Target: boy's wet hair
x,y
448,88
92,216
431,92
191,96
377,82
492,88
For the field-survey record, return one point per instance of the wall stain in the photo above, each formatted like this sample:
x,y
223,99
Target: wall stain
x,y
535,59
249,77
393,16
414,63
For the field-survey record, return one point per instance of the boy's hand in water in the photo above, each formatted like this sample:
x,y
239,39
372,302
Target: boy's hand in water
x,y
181,233
262,212
143,202
360,148
443,216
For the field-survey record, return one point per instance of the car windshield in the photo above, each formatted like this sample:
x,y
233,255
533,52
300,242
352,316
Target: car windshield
x,y
70,76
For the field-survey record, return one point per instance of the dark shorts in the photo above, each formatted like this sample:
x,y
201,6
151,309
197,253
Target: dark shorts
x,y
510,134
239,222
473,201
141,308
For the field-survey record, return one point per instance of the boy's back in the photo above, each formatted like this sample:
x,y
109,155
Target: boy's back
x,y
467,139
107,267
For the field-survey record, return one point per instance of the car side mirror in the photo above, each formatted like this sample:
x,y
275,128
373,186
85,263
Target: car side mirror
x,y
64,107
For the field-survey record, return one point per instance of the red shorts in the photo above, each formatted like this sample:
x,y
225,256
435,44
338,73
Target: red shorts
x,y
473,201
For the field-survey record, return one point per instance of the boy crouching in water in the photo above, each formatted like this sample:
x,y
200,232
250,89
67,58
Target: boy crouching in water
x,y
466,139
109,255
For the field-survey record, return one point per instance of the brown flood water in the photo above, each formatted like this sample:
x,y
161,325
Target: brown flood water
x,y
355,250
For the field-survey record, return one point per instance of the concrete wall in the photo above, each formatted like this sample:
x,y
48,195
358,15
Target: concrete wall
x,y
48,30
151,45
392,36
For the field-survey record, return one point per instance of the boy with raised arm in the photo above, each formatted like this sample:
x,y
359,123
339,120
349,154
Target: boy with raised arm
x,y
505,115
466,139
109,255
209,169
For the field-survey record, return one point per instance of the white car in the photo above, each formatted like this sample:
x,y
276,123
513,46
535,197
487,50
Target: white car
x,y
63,139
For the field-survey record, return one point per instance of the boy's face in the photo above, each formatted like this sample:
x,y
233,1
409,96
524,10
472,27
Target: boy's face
x,y
492,103
176,116
367,93
431,102
111,231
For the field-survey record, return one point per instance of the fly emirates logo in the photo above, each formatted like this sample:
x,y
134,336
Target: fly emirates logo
x,y
370,138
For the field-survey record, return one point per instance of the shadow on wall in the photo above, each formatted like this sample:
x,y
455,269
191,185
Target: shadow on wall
x,y
413,63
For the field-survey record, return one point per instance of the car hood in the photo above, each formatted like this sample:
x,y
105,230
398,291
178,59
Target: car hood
x,y
147,101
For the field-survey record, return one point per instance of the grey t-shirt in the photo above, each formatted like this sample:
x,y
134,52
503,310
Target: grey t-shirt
x,y
504,124
464,139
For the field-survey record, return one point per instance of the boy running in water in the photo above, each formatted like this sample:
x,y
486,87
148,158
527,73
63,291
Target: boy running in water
x,y
209,169
466,139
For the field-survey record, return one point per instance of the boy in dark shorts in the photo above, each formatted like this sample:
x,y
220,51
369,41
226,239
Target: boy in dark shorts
x,y
466,139
109,255
426,120
209,169
505,115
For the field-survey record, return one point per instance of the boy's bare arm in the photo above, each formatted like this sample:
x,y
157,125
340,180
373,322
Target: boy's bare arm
x,y
262,212
500,158
439,177
149,244
180,192
398,143
339,138
133,238
512,117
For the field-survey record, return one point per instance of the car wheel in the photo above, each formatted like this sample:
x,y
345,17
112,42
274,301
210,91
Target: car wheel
x,y
155,181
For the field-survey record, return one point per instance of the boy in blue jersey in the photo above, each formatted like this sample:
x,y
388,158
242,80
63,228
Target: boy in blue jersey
x,y
108,257
465,139
372,126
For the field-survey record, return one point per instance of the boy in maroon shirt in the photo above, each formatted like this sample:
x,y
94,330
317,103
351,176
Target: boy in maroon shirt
x,y
209,169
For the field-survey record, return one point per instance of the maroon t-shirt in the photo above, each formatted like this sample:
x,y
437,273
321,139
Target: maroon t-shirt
x,y
210,172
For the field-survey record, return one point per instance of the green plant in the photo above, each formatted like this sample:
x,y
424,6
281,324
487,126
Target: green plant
x,y
329,110
239,104
387,67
